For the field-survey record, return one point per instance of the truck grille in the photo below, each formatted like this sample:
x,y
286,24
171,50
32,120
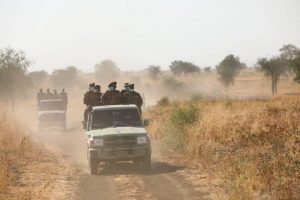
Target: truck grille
x,y
119,141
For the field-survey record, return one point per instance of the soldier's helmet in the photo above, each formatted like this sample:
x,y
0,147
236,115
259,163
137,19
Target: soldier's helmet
x,y
131,86
91,87
112,84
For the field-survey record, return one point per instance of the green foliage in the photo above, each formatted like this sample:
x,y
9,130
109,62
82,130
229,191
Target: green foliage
x,y
164,101
184,116
106,71
64,78
228,69
274,68
13,78
295,64
181,67
154,71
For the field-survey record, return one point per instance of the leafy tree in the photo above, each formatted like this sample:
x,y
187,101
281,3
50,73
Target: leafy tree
x,y
37,77
154,71
274,68
228,69
289,52
13,78
64,78
106,71
295,64
181,67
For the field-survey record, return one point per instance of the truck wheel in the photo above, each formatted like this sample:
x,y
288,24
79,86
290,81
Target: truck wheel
x,y
93,165
147,163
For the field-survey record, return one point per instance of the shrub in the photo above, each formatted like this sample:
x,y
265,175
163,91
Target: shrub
x,y
164,101
183,116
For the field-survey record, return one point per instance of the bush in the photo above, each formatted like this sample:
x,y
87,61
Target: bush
x,y
183,116
164,101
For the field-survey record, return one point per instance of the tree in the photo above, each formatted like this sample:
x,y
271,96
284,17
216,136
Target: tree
x,y
289,52
274,68
182,67
37,77
228,69
154,71
64,78
295,65
13,78
106,71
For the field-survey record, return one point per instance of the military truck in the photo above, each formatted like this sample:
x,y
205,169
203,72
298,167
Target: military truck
x,y
117,133
51,113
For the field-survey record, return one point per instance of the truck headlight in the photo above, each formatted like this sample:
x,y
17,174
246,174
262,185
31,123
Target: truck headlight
x,y
142,140
96,142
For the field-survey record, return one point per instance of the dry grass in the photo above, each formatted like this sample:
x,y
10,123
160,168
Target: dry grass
x,y
252,146
27,169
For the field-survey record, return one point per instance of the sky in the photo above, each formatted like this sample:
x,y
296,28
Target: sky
x,y
138,33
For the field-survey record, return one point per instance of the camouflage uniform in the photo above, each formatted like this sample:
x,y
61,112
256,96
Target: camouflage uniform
x,y
113,97
88,100
133,97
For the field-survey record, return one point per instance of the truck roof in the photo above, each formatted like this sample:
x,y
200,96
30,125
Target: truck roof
x,y
114,107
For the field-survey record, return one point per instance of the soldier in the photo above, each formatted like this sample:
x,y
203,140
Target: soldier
x,y
126,88
88,100
55,95
48,95
64,97
40,96
112,96
96,100
133,97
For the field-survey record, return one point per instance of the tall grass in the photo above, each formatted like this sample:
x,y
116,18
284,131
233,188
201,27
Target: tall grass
x,y
253,146
15,145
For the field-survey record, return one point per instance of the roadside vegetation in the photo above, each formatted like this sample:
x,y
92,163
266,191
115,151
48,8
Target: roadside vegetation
x,y
253,147
27,169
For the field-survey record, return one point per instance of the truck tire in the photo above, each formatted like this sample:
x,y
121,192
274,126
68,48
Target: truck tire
x,y
146,163
93,165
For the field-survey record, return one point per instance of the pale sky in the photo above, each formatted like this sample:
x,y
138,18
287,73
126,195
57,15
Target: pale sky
x,y
138,33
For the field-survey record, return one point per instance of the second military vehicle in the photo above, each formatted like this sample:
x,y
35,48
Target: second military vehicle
x,y
117,133
51,113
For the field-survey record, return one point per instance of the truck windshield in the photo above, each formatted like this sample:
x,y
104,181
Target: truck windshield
x,y
51,105
112,118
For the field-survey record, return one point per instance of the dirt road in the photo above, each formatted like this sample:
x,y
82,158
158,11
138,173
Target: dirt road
x,y
167,180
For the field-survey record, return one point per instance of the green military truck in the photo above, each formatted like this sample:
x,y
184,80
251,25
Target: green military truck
x,y
117,133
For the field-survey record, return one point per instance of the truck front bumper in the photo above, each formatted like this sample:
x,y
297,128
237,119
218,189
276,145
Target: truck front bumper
x,y
120,153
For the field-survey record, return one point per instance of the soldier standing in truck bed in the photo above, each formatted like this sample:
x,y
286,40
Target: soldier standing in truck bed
x,y
64,97
88,100
112,96
133,97
40,96
97,97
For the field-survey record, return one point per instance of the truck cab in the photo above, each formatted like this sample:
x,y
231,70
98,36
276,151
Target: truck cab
x,y
51,113
117,133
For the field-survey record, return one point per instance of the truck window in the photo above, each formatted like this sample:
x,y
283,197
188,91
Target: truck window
x,y
111,118
51,105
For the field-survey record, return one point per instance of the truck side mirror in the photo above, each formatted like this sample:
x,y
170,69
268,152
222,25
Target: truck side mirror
x,y
146,122
84,125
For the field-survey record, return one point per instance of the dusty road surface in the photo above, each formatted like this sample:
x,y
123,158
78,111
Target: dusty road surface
x,y
166,180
